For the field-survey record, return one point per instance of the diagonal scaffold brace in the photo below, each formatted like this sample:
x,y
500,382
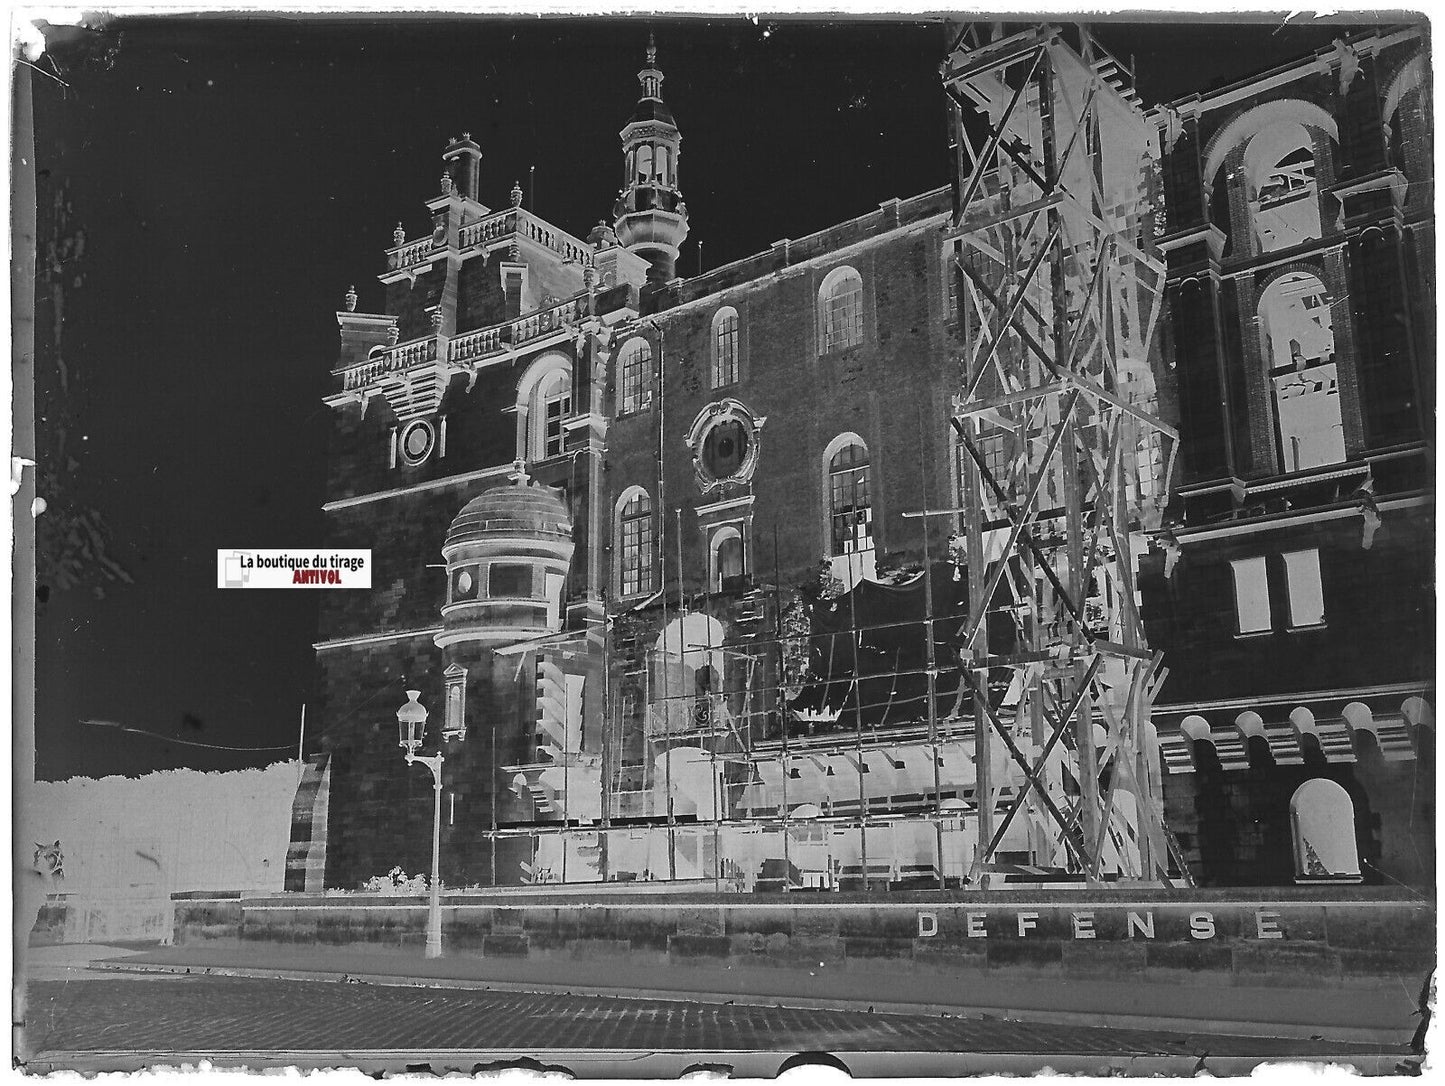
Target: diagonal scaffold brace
x,y
1064,461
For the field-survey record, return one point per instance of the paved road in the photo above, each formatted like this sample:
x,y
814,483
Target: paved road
x,y
117,1021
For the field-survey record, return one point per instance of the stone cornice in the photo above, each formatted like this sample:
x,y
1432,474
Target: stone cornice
x,y
1197,104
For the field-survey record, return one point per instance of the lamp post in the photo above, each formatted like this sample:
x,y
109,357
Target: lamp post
x,y
411,723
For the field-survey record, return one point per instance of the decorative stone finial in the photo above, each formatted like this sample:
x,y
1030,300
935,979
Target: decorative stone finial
x,y
446,180
602,235
651,50
398,236
519,473
516,194
351,299
589,277
393,333
436,317
466,137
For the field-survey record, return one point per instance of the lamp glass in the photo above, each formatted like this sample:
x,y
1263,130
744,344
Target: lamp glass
x,y
411,721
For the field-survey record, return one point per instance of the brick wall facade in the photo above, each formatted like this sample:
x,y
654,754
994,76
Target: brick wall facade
x,y
1235,498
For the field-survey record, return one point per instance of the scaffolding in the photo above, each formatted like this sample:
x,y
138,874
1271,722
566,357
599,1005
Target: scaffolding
x,y
1064,461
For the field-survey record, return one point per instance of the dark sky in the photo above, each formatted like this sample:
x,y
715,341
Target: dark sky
x,y
233,176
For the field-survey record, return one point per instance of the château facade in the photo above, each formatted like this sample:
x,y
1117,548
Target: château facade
x,y
674,560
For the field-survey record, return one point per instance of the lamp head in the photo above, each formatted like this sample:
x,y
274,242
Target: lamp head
x,y
411,722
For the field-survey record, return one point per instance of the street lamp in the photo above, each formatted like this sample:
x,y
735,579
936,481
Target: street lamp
x,y
411,723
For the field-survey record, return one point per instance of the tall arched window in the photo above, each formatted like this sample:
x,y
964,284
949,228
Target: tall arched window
x,y
1298,341
544,400
1286,200
634,371
634,544
551,404
850,505
1269,154
840,310
725,347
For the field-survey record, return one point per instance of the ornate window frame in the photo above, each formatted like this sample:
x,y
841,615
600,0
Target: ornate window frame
x,y
708,419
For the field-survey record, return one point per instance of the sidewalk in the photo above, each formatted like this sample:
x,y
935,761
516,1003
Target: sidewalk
x,y
1383,1015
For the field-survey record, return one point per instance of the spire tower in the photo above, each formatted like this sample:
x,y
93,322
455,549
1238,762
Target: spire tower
x,y
650,216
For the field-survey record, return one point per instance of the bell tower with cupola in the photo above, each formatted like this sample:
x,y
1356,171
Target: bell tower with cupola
x,y
651,217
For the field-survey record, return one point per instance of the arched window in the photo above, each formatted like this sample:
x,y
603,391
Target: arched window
x,y
1322,818
685,665
544,400
725,347
729,564
633,543
1298,342
1405,87
644,163
840,310
1286,201
634,371
850,505
552,404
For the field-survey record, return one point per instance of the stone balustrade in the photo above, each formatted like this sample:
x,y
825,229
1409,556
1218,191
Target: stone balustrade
x,y
489,229
545,321
478,344
518,331
413,252
495,227
402,356
566,245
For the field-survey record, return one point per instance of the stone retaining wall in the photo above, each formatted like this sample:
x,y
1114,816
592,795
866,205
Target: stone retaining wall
x,y
1300,939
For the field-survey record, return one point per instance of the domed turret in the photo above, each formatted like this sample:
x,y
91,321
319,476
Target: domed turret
x,y
507,554
650,213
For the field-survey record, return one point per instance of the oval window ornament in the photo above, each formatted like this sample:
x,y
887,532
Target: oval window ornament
x,y
724,443
417,441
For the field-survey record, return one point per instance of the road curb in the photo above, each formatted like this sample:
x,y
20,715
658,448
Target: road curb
x,y
1097,1020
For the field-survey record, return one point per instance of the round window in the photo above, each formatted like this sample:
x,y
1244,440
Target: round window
x,y
464,583
416,442
725,449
